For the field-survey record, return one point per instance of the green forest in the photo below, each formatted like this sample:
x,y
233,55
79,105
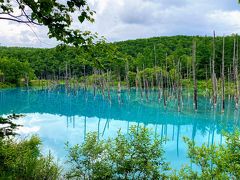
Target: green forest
x,y
163,52
103,103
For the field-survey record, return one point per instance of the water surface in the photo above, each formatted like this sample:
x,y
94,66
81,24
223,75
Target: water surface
x,y
59,117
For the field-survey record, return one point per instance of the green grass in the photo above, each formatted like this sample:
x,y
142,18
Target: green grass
x,y
204,87
6,85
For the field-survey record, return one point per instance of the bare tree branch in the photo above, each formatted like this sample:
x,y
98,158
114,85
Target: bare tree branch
x,y
14,19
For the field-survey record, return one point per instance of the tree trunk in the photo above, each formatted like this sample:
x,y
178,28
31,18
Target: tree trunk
x,y
223,78
136,79
179,87
214,79
119,88
194,75
108,86
127,78
235,70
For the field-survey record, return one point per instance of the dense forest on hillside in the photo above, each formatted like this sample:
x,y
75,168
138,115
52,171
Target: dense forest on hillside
x,y
179,48
136,54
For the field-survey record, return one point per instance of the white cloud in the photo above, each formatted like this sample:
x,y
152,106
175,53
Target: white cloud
x,y
28,130
17,34
228,21
130,19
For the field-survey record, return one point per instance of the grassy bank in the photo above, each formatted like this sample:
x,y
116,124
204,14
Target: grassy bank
x,y
6,85
204,87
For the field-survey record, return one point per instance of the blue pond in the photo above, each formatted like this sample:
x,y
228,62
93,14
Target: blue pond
x,y
59,117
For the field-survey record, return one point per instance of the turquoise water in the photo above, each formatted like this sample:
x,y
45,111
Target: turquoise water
x,y
58,117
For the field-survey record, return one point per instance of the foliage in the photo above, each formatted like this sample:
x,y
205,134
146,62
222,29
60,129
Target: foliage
x,y
170,50
23,160
215,162
132,78
89,160
138,54
9,131
49,63
136,155
13,70
132,156
6,85
55,15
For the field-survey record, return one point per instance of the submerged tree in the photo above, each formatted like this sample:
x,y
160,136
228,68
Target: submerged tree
x,y
235,70
194,75
223,77
214,78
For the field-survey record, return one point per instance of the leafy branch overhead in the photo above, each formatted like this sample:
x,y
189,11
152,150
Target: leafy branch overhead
x,y
56,15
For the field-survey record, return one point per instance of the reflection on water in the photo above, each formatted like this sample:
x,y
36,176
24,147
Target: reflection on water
x,y
59,117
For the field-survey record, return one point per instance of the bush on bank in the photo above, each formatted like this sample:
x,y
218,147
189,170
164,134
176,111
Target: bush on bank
x,y
136,155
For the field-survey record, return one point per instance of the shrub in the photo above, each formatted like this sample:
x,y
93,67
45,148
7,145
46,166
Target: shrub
x,y
23,160
214,162
89,160
131,156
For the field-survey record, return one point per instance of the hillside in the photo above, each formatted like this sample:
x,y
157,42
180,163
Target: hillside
x,y
139,53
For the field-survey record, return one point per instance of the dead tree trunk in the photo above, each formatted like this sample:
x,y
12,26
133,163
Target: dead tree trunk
x,y
235,70
194,75
143,78
229,88
166,80
85,80
158,86
164,89
26,81
178,86
141,86
147,89
155,67
214,79
119,88
127,78
94,82
108,86
223,78
136,79
206,67
152,83
66,77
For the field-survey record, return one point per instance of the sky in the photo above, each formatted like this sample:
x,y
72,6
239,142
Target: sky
x,y
119,20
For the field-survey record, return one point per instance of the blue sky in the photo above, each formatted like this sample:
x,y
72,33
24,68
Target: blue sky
x,y
130,19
